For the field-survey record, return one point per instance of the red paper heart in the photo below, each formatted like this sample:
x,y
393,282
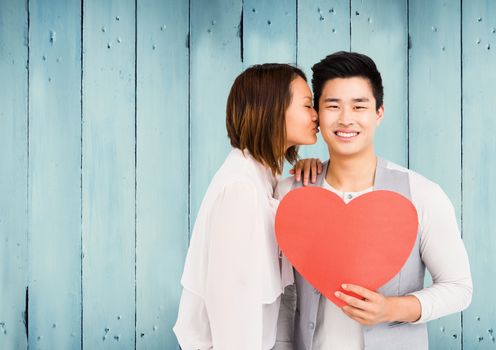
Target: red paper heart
x,y
364,242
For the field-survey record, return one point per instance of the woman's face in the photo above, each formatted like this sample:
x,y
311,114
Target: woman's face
x,y
301,118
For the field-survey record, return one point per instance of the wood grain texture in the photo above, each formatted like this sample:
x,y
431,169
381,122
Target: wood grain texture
x,y
323,28
55,175
215,62
379,30
96,209
479,168
13,173
269,32
108,192
162,168
435,117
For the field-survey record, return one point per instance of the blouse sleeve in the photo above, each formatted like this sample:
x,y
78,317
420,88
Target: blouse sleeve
x,y
192,328
231,296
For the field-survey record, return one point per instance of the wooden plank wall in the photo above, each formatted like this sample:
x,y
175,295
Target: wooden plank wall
x,y
13,174
112,124
479,167
54,176
108,174
161,176
435,117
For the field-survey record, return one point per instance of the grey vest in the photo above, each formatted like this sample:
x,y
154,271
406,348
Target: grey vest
x,y
396,335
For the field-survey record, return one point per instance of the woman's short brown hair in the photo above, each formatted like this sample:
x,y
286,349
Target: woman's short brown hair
x,y
255,113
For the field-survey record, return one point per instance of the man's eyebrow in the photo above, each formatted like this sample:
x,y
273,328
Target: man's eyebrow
x,y
361,99
332,99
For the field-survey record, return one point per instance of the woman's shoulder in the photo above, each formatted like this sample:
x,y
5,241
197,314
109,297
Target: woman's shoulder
x,y
239,170
234,177
231,186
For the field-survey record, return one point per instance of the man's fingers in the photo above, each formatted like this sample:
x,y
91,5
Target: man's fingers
x,y
355,302
364,292
355,313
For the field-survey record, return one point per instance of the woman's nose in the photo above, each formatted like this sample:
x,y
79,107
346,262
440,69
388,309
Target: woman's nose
x,y
315,115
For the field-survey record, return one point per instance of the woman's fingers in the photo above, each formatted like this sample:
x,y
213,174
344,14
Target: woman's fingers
x,y
308,169
297,170
314,170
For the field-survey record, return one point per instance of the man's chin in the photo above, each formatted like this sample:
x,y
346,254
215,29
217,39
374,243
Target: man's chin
x,y
345,153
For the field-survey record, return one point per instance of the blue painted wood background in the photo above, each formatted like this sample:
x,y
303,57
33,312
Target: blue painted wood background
x,y
112,124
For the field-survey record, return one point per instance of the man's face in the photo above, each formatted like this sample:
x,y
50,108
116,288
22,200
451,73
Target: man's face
x,y
348,117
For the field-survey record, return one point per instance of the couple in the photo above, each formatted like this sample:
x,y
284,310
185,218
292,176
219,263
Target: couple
x,y
234,281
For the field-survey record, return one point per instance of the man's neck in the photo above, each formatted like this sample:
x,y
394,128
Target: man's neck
x,y
351,174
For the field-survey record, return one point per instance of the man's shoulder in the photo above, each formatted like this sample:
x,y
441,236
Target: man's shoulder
x,y
413,175
283,187
421,187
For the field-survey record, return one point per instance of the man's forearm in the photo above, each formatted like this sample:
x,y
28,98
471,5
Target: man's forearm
x,y
404,309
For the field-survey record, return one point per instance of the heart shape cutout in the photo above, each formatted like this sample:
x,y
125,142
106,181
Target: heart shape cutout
x,y
365,242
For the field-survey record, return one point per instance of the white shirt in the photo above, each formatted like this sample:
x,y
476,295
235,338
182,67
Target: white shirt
x,y
442,251
233,276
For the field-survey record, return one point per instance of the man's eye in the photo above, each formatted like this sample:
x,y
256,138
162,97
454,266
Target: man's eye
x,y
333,107
360,107
307,106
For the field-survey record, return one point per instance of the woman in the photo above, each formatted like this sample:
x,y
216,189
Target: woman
x,y
233,276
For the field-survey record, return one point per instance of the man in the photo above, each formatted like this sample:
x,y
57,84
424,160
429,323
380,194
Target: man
x,y
348,96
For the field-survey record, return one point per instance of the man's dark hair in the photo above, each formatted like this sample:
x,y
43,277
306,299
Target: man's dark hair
x,y
344,64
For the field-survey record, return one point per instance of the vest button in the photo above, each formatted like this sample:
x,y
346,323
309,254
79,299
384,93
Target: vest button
x,y
311,325
316,291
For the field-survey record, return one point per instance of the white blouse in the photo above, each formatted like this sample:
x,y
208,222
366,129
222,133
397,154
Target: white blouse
x,y
233,276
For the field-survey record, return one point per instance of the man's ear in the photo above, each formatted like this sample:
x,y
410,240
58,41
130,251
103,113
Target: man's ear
x,y
380,115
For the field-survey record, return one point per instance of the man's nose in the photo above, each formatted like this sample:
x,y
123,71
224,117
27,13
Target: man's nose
x,y
345,118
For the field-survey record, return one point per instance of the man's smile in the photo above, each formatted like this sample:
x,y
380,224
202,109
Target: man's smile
x,y
346,134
